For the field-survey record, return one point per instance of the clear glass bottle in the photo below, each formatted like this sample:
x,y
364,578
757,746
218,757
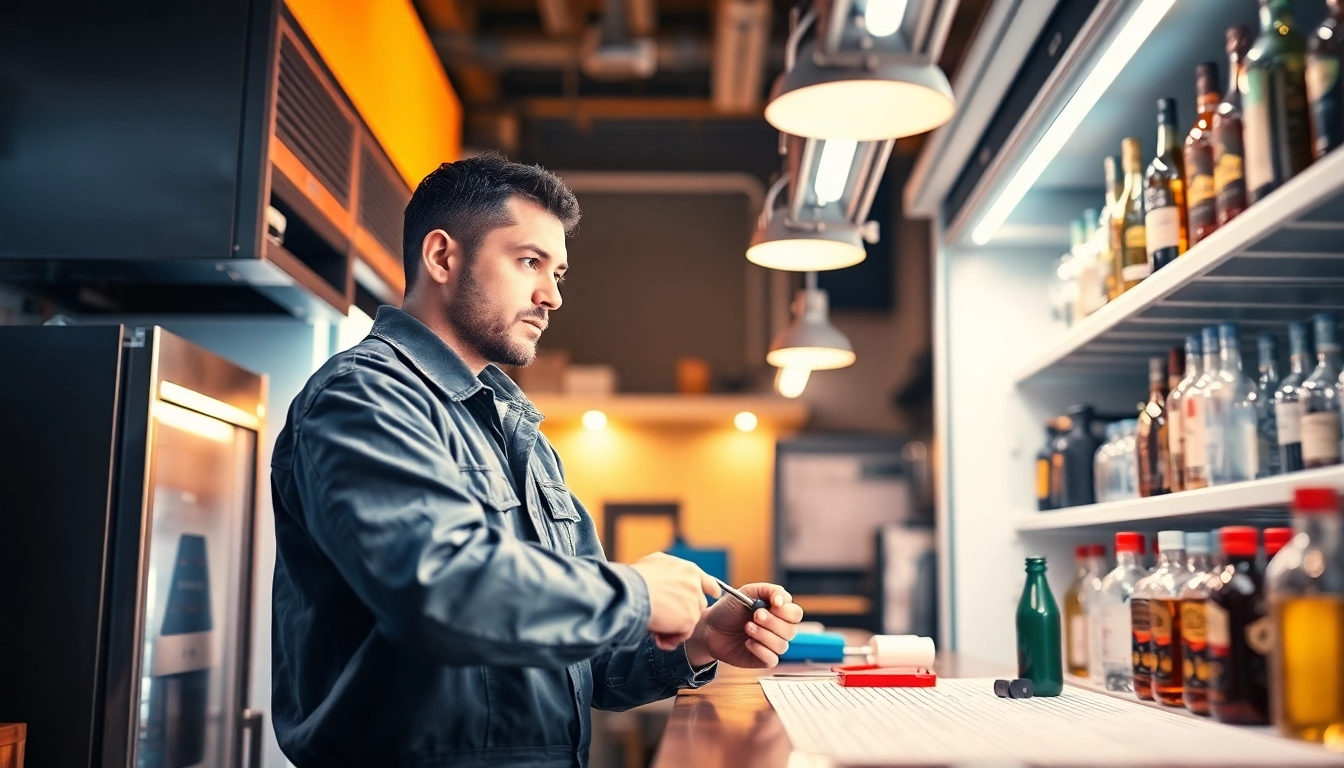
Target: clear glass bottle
x,y
1075,616
1102,465
1194,423
1117,644
1320,397
1127,449
1288,398
1239,632
1305,583
1230,423
1266,384
1276,129
1194,639
1150,438
1176,413
1098,567
1155,623
1092,268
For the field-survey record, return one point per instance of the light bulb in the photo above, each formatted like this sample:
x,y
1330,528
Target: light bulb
x,y
883,17
745,421
594,420
837,157
790,382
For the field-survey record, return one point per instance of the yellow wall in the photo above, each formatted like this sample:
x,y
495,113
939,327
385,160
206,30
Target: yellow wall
x,y
721,477
383,58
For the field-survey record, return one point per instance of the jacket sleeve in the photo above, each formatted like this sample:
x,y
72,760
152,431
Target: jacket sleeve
x,y
383,498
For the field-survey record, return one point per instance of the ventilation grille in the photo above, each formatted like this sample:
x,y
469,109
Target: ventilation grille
x,y
310,122
382,201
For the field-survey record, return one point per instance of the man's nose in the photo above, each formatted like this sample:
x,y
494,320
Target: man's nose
x,y
549,296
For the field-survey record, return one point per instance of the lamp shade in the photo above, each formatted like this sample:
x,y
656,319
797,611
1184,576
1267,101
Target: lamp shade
x,y
810,341
822,246
887,100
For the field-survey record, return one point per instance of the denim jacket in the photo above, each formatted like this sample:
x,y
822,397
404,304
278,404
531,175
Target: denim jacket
x,y
441,598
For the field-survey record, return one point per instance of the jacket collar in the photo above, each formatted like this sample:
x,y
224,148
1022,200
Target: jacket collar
x,y
439,362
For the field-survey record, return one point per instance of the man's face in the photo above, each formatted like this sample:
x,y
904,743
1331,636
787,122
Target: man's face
x,y
508,287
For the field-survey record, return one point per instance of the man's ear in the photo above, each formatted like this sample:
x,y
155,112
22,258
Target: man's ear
x,y
440,256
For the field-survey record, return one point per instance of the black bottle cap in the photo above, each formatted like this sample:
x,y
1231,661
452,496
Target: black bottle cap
x,y
1001,688
1021,688
1206,78
1166,111
1238,40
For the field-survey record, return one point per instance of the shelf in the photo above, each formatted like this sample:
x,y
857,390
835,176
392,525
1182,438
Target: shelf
x,y
670,409
1292,241
1237,499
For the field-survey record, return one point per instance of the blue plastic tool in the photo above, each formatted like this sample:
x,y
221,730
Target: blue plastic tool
x,y
816,646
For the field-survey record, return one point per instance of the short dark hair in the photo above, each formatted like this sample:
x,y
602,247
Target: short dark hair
x,y
469,198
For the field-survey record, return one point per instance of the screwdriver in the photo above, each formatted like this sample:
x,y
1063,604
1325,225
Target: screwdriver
x,y
737,595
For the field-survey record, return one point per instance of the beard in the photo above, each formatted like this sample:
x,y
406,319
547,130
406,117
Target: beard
x,y
477,323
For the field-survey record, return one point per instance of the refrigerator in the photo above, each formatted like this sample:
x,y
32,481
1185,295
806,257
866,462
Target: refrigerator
x,y
128,490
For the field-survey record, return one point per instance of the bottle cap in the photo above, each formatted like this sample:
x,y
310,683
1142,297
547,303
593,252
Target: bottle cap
x,y
1326,325
1001,688
1210,338
1080,551
1275,539
1131,154
1035,562
1299,339
1168,541
1198,543
1238,40
1206,78
1229,335
1312,501
1166,111
1268,347
1129,541
1097,550
1240,540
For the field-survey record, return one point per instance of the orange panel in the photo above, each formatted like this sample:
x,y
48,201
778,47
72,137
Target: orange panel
x,y
383,58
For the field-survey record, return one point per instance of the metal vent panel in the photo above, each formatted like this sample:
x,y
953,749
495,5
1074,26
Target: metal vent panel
x,y
382,201
310,121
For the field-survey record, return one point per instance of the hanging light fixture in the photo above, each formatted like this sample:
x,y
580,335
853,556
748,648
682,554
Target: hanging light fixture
x,y
850,81
810,341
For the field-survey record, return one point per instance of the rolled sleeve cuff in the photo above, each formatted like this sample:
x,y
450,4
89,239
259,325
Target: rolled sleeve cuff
x,y
639,610
687,675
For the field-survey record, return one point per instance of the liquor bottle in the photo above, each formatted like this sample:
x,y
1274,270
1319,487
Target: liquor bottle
x,y
1152,435
1239,632
1230,419
1195,423
1201,200
1229,181
1305,582
1117,643
1074,451
1112,226
1176,413
1098,567
1155,623
1288,398
1134,266
1320,397
1276,129
1266,384
1043,467
1194,640
1075,616
1038,640
1164,219
1093,265
1325,93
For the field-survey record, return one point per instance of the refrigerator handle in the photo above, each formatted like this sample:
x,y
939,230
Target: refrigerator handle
x,y
253,723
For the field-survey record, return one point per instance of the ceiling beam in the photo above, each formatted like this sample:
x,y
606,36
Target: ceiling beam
x,y
614,108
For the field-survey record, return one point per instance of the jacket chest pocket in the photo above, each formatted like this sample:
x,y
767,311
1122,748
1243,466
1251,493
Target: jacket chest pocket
x,y
492,489
562,515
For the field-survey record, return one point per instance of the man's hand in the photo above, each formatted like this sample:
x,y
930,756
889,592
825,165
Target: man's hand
x,y
677,590
730,633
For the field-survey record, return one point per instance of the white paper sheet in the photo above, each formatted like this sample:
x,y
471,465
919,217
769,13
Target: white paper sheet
x,y
962,721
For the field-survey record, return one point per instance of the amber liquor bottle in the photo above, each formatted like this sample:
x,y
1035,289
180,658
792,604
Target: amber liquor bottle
x,y
1201,205
1325,87
1229,182
1129,218
1115,189
1276,130
1152,438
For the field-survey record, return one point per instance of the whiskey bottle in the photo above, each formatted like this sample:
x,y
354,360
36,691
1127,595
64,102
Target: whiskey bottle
x,y
1266,384
1134,266
1151,441
1325,50
1239,632
1229,182
1176,414
1164,193
1195,421
1113,225
1277,131
1194,640
1288,398
1155,628
1201,200
1320,397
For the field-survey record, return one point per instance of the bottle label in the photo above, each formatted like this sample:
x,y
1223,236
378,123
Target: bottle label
x,y
1141,630
1042,479
1163,227
1166,642
1201,195
1257,136
1196,449
1078,641
1289,419
1219,636
1116,642
1320,437
1135,272
1136,238
1260,635
1194,643
1229,182
1325,95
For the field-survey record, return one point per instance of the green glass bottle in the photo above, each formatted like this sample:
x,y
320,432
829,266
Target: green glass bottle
x,y
1277,130
1040,656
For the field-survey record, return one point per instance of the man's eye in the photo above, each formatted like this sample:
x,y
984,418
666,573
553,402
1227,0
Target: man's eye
x,y
530,263
559,279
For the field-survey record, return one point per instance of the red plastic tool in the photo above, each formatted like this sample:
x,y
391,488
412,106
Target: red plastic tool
x,y
873,676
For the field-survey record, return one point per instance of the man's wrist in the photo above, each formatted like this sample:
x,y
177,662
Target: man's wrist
x,y
697,652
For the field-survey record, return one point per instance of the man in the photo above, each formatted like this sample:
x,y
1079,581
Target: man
x,y
440,596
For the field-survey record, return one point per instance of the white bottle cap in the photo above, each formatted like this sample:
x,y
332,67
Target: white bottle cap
x,y
1169,540
1198,543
